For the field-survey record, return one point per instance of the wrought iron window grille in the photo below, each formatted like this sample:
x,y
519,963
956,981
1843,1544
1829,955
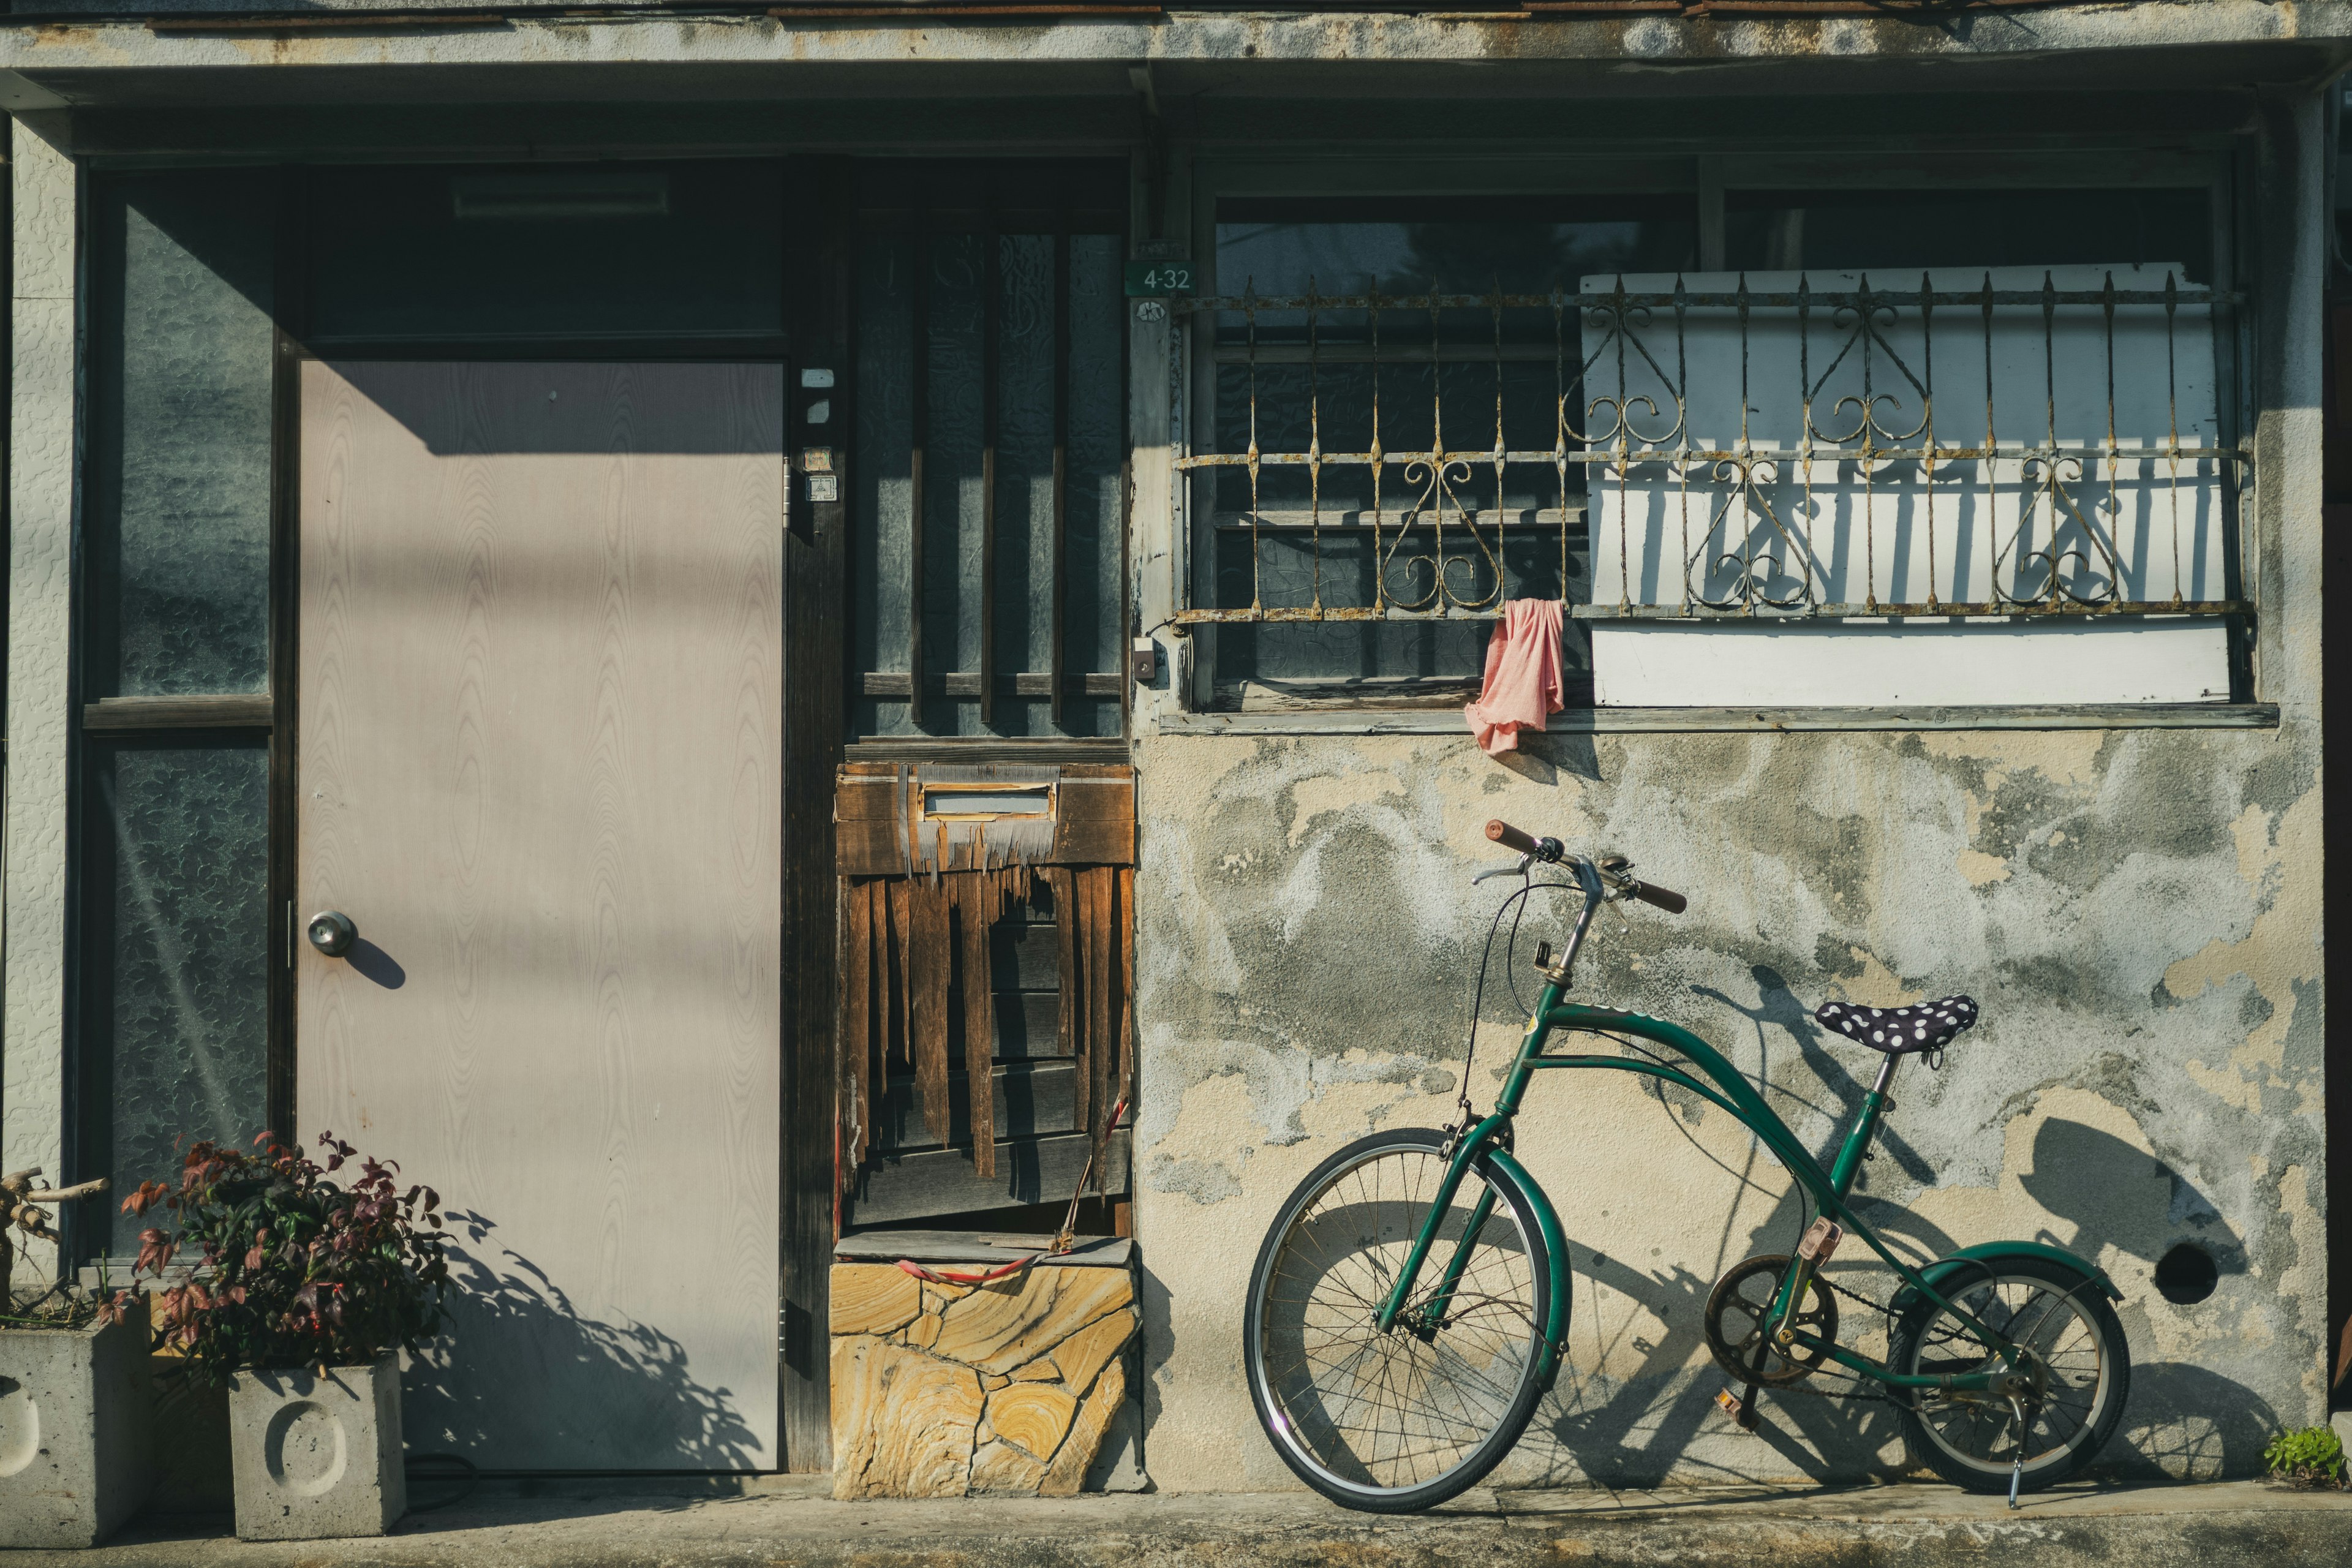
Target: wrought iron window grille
x,y
1966,507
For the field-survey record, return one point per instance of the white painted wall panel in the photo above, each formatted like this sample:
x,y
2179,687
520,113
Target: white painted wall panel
x,y
1679,665
40,718
2140,526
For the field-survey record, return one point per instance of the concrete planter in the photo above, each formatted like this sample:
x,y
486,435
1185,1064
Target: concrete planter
x,y
76,1422
317,1454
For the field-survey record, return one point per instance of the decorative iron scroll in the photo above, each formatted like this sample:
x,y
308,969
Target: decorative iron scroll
x,y
1977,444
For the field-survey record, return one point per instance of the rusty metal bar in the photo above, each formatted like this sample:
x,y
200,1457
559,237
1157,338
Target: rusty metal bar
x,y
1863,428
1988,610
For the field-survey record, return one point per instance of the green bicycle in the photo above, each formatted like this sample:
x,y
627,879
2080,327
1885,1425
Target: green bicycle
x,y
1410,1304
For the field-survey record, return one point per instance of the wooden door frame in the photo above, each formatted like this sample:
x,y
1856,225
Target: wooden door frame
x,y
815,294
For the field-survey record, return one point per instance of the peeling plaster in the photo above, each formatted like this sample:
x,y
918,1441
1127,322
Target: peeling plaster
x,y
2137,912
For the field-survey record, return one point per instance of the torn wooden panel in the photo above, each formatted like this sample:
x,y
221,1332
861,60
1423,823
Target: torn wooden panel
x,y
913,943
907,819
980,903
930,971
856,1015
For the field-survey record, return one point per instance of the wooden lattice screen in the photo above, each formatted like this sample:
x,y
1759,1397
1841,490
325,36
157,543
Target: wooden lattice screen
x,y
945,873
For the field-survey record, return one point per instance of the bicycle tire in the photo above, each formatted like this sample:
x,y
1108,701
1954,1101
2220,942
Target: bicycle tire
x,y
2015,1282
1512,1329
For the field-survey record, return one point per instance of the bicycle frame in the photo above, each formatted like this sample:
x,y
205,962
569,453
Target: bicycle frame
x,y
1727,1088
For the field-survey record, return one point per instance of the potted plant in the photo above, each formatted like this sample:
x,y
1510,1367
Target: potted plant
x,y
304,1291
76,1408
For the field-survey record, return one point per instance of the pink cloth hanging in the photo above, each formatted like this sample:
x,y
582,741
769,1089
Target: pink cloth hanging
x,y
1523,676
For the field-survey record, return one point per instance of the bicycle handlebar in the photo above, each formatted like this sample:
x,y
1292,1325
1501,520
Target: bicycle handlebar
x,y
1510,837
1551,849
1672,902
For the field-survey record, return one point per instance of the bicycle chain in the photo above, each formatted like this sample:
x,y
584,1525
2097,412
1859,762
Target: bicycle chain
x,y
1805,1385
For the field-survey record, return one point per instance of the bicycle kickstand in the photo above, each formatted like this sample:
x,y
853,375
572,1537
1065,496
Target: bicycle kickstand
x,y
2017,1464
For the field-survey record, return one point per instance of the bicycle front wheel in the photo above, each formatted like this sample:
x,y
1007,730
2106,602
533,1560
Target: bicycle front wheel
x,y
1397,1420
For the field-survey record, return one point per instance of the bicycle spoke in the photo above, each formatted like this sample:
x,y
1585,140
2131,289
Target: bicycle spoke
x,y
1397,1409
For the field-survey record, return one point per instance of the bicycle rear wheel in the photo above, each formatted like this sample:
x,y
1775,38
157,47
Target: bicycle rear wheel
x,y
1401,1420
2074,1353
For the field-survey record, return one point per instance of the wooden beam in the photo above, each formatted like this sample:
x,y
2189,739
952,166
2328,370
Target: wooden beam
x,y
966,684
120,713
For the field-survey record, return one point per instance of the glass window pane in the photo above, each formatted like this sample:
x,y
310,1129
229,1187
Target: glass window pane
x,y
951,474
179,394
1026,333
175,1029
606,252
1462,379
1094,614
1911,230
881,477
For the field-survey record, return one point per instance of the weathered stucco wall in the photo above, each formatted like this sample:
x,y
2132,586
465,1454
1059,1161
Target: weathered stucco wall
x,y
2139,912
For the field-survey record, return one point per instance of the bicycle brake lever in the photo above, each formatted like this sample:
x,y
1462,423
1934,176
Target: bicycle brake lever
x,y
1518,870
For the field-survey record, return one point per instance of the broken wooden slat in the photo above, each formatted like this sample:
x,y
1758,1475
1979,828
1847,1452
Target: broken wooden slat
x,y
930,969
900,946
856,1019
979,899
1100,901
1066,1028
1123,998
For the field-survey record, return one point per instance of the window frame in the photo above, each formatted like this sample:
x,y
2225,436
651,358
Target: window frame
x,y
2215,165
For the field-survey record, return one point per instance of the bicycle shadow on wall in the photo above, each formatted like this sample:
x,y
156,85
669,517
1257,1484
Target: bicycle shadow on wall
x,y
517,1351
1637,1429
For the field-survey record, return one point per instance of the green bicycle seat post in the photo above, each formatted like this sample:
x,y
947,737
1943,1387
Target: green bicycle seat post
x,y
1843,1174
1865,1127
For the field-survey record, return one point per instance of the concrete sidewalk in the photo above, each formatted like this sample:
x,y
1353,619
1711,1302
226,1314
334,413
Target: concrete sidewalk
x,y
789,1520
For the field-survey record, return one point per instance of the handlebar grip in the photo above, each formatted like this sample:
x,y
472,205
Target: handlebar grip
x,y
1673,903
1510,837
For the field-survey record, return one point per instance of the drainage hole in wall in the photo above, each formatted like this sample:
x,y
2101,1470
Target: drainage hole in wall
x,y
2186,1275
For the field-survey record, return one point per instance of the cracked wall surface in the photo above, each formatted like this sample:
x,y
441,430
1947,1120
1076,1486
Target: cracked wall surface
x,y
2137,912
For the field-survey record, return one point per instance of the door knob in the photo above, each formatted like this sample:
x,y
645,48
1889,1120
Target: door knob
x,y
332,932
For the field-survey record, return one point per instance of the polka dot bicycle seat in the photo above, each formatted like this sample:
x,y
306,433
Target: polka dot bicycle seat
x,y
1923,1026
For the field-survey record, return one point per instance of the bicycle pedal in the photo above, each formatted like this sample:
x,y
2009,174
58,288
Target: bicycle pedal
x,y
1741,1407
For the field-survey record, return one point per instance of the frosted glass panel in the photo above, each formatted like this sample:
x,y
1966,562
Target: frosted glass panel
x,y
180,387
952,472
1094,608
964,338
1024,452
881,479
176,885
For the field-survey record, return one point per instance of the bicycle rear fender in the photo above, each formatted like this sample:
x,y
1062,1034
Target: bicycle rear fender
x,y
1949,1275
1556,1255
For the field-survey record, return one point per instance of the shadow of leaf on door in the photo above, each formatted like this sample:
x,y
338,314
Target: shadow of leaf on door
x,y
519,1381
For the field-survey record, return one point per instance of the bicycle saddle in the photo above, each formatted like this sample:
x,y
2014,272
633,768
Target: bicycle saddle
x,y
1922,1026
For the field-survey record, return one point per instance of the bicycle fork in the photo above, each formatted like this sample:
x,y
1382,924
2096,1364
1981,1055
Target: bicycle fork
x,y
1431,1314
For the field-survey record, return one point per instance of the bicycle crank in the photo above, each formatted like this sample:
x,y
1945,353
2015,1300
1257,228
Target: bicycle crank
x,y
1735,1311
